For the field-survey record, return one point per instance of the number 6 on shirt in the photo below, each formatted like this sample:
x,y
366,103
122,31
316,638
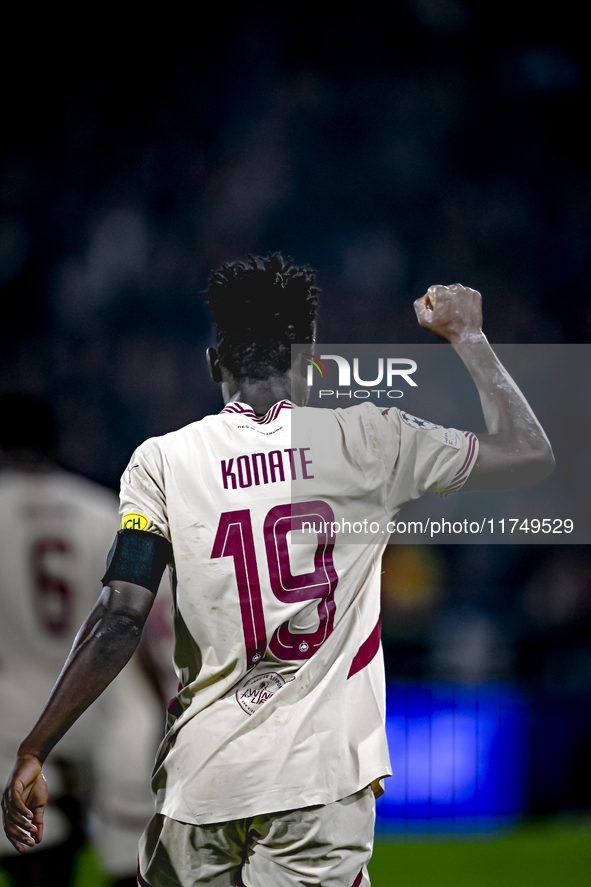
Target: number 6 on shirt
x,y
234,538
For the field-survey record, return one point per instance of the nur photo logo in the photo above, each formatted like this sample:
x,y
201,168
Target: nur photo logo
x,y
314,362
346,372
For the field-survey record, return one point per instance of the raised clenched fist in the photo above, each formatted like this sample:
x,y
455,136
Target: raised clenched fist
x,y
452,312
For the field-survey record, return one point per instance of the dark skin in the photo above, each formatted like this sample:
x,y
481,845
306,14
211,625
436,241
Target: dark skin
x,y
514,453
260,394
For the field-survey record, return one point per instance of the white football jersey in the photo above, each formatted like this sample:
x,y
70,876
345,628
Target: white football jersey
x,y
55,531
281,701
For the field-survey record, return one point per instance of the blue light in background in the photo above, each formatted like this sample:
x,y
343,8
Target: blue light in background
x,y
458,758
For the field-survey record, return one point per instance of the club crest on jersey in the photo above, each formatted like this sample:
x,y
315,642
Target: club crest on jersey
x,y
257,689
417,423
133,520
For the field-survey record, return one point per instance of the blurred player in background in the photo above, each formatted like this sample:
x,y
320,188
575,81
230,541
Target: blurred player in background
x,y
276,742
54,530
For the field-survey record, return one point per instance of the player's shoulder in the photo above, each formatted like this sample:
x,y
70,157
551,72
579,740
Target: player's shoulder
x,y
157,447
83,491
65,496
387,416
360,428
363,415
355,412
58,483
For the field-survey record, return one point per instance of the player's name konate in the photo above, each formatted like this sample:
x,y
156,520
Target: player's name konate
x,y
274,467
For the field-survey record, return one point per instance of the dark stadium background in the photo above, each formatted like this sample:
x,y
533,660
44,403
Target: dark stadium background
x,y
428,141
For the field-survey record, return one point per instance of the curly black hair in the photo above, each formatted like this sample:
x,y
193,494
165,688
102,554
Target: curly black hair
x,y
258,311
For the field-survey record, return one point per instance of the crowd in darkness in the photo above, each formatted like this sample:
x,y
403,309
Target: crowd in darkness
x,y
434,142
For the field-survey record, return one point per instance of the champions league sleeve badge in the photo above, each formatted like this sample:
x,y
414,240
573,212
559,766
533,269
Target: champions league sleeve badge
x,y
420,424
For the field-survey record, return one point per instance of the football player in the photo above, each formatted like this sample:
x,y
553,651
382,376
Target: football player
x,y
276,743
54,529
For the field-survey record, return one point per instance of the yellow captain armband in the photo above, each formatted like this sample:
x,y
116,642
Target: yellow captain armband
x,y
134,520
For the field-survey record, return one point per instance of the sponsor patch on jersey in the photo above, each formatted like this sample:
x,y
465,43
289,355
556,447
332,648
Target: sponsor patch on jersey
x,y
417,423
133,520
257,689
452,438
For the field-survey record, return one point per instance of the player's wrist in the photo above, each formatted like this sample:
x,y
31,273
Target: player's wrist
x,y
470,336
26,754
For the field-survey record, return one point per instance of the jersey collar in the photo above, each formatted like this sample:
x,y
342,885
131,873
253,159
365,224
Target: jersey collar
x,y
247,412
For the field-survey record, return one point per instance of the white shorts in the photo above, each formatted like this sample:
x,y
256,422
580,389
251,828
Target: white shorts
x,y
323,845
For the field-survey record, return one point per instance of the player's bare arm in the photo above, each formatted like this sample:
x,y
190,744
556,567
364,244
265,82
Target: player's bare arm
x,y
104,644
516,451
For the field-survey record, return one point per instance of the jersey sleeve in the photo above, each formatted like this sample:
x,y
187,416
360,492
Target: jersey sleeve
x,y
421,456
143,496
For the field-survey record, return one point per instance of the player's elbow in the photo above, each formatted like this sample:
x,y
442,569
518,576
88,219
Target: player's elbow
x,y
547,462
118,631
535,465
510,461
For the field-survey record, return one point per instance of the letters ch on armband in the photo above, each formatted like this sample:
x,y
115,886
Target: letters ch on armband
x,y
133,520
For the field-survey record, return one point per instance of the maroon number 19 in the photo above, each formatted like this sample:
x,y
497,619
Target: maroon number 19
x,y
234,538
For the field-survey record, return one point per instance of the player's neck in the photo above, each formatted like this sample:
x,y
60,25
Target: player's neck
x,y
260,394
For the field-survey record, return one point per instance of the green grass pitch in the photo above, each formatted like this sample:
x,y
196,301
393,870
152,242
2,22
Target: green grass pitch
x,y
544,855
550,854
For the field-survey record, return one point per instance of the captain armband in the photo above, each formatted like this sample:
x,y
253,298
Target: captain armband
x,y
138,557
